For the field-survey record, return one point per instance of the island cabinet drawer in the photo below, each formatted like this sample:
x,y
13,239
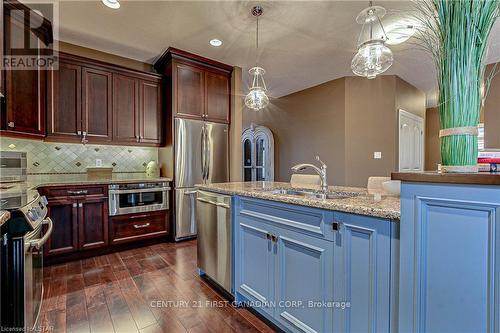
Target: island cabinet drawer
x,y
69,191
132,227
310,221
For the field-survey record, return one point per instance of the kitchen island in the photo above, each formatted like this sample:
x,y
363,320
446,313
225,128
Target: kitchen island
x,y
313,264
450,252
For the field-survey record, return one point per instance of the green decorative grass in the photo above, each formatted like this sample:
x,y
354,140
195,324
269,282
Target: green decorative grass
x,y
456,33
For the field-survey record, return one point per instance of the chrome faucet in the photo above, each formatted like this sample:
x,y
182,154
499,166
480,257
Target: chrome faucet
x,y
320,171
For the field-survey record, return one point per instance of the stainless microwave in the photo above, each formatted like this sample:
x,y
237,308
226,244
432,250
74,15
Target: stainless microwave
x,y
137,197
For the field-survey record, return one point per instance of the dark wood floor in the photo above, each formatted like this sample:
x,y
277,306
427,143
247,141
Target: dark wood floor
x,y
123,292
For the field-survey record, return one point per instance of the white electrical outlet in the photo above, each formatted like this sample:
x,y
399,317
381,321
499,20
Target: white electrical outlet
x,y
98,162
377,155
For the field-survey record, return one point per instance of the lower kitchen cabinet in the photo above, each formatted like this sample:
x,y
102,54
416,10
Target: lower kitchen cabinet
x,y
134,227
311,270
362,265
449,258
93,223
80,219
64,239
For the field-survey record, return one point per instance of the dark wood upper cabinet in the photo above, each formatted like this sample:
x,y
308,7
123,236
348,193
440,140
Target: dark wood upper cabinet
x,y
218,96
64,215
198,88
189,90
93,223
150,112
125,108
65,102
24,107
97,104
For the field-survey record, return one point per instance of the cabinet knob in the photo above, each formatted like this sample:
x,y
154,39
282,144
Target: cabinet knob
x,y
80,205
10,124
74,205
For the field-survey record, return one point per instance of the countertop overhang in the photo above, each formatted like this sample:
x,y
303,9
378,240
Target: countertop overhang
x,y
370,204
450,178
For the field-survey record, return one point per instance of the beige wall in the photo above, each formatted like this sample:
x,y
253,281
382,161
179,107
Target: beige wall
x,y
492,113
344,121
371,125
305,124
102,56
432,154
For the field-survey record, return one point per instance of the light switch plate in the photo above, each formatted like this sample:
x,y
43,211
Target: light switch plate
x,y
98,162
377,155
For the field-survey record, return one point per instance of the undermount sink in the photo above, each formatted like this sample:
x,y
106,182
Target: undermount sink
x,y
313,194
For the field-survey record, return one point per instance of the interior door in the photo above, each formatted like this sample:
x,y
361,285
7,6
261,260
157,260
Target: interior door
x,y
217,167
188,152
411,142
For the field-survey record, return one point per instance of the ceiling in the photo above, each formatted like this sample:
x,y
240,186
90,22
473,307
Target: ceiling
x,y
302,44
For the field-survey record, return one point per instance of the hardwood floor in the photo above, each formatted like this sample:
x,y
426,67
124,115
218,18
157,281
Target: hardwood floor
x,y
148,290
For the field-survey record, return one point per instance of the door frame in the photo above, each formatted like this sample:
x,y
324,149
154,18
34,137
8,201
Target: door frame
x,y
421,120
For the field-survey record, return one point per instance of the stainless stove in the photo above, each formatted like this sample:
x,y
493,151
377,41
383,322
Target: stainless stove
x,y
22,260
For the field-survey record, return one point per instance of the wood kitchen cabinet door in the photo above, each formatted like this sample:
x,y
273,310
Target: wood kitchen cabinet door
x,y
150,112
97,104
65,98
125,109
93,223
25,90
189,90
64,238
217,97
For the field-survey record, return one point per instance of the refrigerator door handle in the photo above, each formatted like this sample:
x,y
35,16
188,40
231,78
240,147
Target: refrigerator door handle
x,y
208,157
203,154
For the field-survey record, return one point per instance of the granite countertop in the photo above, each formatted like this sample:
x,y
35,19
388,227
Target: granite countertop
x,y
19,194
35,181
366,203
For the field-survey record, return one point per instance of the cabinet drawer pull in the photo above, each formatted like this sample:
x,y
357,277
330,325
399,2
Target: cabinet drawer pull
x,y
10,124
336,226
139,216
139,226
81,192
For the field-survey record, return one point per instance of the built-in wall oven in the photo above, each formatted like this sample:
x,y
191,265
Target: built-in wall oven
x,y
138,197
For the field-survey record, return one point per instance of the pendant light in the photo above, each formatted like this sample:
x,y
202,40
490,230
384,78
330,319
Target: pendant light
x,y
257,98
373,56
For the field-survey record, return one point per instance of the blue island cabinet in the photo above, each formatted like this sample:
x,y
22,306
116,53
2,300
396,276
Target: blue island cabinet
x,y
450,258
313,270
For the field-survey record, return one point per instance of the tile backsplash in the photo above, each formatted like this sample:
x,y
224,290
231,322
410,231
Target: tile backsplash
x,y
47,157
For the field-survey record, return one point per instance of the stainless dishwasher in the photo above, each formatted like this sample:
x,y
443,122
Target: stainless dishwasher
x,y
213,216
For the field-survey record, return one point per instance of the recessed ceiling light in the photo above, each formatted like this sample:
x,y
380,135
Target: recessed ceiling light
x,y
111,3
215,42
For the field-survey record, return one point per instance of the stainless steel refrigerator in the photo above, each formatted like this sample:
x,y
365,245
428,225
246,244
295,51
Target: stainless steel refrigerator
x,y
201,156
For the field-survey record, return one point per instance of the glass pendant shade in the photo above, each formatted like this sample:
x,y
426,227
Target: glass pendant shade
x,y
257,98
373,56
372,59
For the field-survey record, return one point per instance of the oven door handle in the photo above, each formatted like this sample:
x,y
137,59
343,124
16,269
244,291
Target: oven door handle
x,y
38,243
158,189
